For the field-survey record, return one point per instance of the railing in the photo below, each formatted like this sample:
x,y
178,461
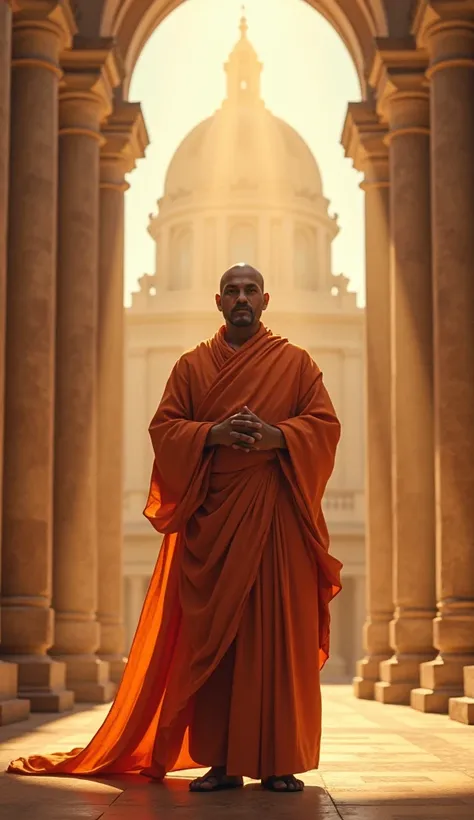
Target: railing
x,y
345,506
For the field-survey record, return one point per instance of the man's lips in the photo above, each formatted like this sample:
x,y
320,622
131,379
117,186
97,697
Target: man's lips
x,y
241,310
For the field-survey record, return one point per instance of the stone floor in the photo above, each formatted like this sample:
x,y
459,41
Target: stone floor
x,y
378,763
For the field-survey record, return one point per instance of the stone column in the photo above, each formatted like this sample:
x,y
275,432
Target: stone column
x,y
84,101
125,140
288,264
136,591
11,707
335,670
399,77
40,32
360,609
264,241
222,245
448,35
363,140
198,276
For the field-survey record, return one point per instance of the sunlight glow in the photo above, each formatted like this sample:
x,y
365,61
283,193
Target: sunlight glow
x,y
308,78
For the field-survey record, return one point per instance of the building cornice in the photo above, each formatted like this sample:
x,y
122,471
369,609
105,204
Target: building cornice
x,y
92,70
125,141
398,71
364,142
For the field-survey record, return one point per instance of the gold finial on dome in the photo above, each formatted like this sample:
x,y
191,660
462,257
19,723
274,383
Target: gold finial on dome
x,y
243,69
243,24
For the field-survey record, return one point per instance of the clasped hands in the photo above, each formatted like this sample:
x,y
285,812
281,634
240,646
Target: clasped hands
x,y
246,431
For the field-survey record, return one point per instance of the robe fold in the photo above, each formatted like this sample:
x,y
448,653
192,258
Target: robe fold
x,y
235,625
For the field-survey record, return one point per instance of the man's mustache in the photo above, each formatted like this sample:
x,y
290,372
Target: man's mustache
x,y
242,309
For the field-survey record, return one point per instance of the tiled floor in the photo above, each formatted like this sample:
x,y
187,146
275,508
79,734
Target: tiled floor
x,y
378,763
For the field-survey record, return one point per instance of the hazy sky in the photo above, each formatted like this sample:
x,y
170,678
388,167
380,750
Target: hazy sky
x,y
308,79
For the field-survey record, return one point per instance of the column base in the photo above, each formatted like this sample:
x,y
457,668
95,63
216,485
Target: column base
x,y
62,701
12,708
117,664
462,709
368,673
430,701
89,679
42,681
440,680
398,676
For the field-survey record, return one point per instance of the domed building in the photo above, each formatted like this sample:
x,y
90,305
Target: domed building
x,y
244,186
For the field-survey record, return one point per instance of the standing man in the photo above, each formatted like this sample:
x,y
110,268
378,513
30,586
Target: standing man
x,y
224,668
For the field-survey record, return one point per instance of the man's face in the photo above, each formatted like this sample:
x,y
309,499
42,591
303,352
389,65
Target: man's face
x,y
242,298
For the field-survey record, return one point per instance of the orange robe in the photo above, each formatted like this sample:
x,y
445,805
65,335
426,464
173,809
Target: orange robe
x,y
224,667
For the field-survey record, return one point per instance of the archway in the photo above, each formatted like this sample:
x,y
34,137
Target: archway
x,y
358,22
344,502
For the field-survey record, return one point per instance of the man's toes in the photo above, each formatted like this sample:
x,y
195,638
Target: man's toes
x,y
280,785
202,784
299,785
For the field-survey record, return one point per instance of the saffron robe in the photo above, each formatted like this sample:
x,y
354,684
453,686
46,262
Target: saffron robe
x,y
236,615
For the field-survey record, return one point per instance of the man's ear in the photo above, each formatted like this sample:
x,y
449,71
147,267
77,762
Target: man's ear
x,y
266,300
218,302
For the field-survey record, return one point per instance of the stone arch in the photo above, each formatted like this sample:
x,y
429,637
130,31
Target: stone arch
x,y
357,22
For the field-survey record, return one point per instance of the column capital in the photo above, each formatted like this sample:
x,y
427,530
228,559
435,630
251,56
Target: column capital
x,y
446,30
125,140
398,76
38,13
364,142
92,69
37,18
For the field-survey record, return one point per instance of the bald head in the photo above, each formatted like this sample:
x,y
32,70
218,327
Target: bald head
x,y
242,269
242,297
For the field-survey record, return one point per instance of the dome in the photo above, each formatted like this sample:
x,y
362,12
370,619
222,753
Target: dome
x,y
243,147
241,150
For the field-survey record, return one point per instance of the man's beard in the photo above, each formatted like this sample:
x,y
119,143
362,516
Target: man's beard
x,y
243,317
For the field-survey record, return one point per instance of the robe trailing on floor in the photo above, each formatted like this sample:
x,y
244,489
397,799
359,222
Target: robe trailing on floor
x,y
235,625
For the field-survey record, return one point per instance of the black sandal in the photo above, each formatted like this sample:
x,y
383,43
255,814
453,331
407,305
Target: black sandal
x,y
222,783
289,779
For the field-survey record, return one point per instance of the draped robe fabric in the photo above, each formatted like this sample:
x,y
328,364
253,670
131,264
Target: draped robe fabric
x,y
238,605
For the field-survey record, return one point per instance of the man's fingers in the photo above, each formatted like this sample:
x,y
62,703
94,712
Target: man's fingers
x,y
244,438
243,422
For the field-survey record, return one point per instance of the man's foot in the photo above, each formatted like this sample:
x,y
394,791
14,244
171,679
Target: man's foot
x,y
216,780
283,783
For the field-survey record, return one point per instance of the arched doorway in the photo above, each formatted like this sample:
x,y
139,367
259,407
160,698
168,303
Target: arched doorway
x,y
248,176
358,23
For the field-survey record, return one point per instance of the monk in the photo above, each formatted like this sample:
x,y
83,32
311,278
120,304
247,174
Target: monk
x,y
224,668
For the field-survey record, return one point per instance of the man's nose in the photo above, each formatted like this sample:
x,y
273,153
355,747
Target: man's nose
x,y
242,297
